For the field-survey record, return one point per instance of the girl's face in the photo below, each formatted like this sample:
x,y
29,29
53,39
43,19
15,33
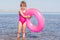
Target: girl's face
x,y
23,7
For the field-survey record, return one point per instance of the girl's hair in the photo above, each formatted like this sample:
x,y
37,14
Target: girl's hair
x,y
23,2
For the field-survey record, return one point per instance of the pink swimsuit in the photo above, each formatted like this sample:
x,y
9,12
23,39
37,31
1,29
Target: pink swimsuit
x,y
21,18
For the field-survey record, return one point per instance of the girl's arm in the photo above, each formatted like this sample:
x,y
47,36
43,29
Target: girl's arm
x,y
24,15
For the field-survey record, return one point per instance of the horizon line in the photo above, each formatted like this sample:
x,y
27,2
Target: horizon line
x,y
17,11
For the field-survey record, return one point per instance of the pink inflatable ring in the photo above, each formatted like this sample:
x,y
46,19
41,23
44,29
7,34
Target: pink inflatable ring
x,y
39,27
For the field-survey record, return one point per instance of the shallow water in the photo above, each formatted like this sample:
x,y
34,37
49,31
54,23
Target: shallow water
x,y
9,23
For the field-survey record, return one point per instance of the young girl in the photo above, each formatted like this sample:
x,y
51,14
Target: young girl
x,y
22,20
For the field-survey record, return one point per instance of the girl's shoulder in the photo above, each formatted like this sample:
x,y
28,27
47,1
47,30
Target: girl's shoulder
x,y
19,11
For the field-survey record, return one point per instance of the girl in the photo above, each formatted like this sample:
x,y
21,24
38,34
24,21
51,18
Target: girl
x,y
22,20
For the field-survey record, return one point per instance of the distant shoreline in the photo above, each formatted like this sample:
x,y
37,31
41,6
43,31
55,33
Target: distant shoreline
x,y
8,11
17,11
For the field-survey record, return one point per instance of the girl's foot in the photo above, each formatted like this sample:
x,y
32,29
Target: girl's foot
x,y
18,38
23,38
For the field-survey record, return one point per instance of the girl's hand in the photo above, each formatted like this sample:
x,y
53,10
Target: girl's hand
x,y
29,16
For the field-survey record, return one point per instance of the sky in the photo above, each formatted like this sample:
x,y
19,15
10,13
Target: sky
x,y
42,5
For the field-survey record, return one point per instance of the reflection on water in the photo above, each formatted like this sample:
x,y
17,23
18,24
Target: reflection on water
x,y
9,23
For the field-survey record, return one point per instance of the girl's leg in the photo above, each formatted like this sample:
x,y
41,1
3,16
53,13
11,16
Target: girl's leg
x,y
19,29
24,31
